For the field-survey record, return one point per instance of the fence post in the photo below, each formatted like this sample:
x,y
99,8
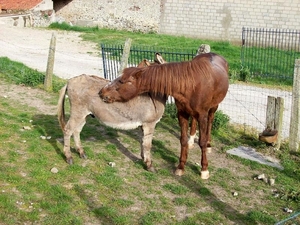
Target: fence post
x,y
295,114
274,117
279,108
50,64
125,55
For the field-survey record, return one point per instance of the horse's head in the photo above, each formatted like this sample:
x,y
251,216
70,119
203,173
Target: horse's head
x,y
123,88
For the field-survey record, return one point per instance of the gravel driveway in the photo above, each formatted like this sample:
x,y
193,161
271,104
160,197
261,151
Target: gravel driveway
x,y
30,46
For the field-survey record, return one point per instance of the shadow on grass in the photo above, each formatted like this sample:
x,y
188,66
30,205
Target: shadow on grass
x,y
48,125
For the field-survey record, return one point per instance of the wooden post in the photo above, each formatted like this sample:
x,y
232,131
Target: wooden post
x,y
125,56
50,64
295,114
279,108
274,116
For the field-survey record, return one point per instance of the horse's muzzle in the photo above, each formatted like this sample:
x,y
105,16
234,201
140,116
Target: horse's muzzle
x,y
106,98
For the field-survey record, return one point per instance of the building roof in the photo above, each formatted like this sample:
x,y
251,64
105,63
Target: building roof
x,y
19,4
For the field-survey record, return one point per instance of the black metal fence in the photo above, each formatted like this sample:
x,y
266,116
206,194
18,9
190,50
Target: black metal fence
x,y
112,54
270,53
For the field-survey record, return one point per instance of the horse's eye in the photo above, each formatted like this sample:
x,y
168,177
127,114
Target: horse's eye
x,y
121,82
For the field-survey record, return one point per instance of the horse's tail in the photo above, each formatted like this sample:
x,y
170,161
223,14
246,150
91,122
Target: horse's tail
x,y
61,108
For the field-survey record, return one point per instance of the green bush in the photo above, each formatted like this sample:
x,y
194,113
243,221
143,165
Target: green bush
x,y
221,120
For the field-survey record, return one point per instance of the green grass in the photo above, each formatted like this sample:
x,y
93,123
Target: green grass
x,y
18,73
90,191
231,52
158,41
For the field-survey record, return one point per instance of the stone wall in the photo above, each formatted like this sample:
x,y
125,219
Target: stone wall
x,y
133,15
214,19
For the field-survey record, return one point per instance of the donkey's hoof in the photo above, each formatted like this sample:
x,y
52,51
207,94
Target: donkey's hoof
x,y
70,161
83,156
179,172
151,169
205,175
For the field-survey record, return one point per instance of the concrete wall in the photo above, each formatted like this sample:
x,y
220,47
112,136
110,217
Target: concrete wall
x,y
224,19
214,19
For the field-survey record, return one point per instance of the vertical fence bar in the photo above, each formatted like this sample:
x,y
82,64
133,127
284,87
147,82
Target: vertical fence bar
x,y
104,60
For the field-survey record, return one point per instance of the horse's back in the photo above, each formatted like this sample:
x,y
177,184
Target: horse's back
x,y
215,60
212,81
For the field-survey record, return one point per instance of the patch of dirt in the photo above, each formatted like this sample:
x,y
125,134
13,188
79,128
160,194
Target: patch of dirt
x,y
32,97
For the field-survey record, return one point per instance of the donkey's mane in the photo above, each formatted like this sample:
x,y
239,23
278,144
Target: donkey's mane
x,y
173,77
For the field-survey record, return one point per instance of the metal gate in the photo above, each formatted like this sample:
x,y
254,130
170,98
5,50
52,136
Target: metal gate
x,y
270,53
112,54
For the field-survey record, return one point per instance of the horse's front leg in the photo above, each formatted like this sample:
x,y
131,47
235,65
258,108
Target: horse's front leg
x,y
203,140
193,130
146,145
184,124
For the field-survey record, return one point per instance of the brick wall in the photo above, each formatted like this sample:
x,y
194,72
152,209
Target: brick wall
x,y
214,19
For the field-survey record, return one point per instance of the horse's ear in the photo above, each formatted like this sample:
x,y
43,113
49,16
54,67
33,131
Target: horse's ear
x,y
137,73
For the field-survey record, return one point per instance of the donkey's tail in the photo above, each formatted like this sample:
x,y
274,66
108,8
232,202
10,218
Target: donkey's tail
x,y
61,108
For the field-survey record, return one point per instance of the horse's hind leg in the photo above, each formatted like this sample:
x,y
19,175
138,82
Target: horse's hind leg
x,y
148,130
203,140
211,115
183,122
193,130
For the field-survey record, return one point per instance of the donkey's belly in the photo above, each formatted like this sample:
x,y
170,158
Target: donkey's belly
x,y
128,125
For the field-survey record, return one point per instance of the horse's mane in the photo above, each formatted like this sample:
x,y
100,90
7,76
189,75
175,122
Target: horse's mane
x,y
174,77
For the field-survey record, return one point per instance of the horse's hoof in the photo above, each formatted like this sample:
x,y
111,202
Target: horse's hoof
x,y
151,169
205,175
209,149
191,146
179,172
70,161
83,156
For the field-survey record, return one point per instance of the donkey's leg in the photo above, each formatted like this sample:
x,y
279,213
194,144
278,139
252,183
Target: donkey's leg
x,y
72,128
193,130
211,115
148,130
184,124
67,136
203,139
76,135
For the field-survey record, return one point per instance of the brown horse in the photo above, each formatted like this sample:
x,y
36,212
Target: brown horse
x,y
160,60
198,87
